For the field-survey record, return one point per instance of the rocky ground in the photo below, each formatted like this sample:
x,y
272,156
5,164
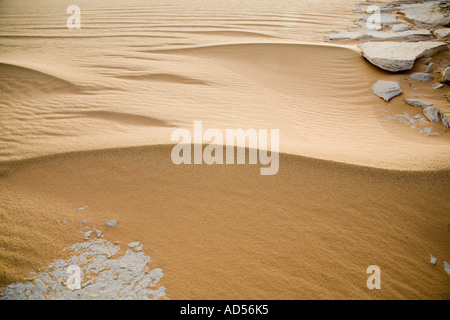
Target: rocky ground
x,y
407,31
103,274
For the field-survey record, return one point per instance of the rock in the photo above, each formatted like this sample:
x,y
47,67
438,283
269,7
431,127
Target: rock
x,y
411,34
123,277
418,103
344,36
156,274
111,223
447,267
385,19
40,286
426,61
433,260
133,244
432,113
445,120
386,89
442,33
430,67
400,27
437,85
399,56
421,76
446,77
87,234
426,14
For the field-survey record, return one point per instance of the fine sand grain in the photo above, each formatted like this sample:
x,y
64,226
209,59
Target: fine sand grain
x,y
86,118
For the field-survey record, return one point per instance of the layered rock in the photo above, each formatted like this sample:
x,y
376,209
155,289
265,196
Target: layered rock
x,y
386,89
399,56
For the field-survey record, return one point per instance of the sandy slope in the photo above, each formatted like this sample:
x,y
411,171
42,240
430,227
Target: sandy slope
x,y
133,74
226,232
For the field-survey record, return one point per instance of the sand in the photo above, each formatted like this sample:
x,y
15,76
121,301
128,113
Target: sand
x,y
86,117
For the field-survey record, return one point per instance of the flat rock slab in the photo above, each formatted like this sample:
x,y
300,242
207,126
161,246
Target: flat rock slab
x,y
421,76
418,103
400,27
385,19
410,34
445,120
442,33
399,56
426,14
386,89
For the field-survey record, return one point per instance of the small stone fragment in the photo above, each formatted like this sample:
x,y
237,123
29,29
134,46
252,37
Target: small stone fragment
x,y
418,103
111,223
430,67
447,267
386,89
433,260
445,120
421,76
446,77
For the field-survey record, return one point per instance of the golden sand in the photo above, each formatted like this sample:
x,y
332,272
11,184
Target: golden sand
x,y
86,117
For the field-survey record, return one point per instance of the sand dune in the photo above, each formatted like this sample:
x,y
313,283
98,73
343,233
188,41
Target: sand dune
x,y
86,118
224,232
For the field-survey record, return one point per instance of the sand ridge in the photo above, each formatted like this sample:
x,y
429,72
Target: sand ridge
x,y
86,118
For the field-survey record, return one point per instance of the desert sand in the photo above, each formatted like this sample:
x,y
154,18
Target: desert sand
x,y
86,118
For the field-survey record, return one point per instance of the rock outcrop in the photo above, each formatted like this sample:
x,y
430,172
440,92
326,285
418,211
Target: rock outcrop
x,y
102,275
426,14
399,56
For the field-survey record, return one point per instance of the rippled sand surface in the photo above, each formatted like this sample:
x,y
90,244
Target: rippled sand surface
x,y
86,118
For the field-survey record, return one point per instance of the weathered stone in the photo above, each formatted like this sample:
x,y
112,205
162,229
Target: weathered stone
x,y
124,277
111,223
344,36
133,244
399,56
430,67
447,267
411,35
432,114
400,27
445,120
421,76
418,103
386,89
385,19
437,85
442,33
426,14
446,77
